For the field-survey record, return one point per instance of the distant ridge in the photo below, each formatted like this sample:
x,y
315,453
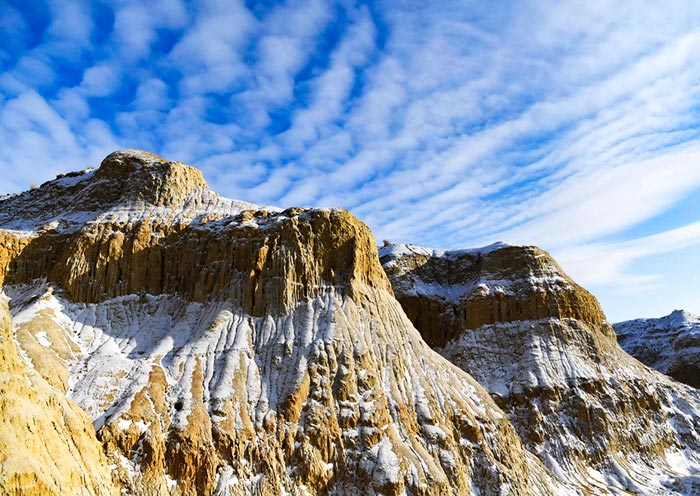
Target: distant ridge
x,y
670,344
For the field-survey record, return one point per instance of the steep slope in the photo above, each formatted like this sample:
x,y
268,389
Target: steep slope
x,y
670,344
47,443
224,349
540,344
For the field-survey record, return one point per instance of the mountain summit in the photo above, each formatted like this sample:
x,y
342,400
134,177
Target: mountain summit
x,y
129,186
541,346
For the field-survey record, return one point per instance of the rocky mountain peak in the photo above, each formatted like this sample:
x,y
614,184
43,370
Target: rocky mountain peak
x,y
129,186
465,289
222,348
683,317
227,350
540,344
137,175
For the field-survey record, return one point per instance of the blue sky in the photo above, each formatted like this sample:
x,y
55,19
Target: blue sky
x,y
570,125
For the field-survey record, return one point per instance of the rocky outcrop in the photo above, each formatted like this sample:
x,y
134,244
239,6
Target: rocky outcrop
x,y
670,344
224,349
539,343
47,444
129,186
444,292
266,264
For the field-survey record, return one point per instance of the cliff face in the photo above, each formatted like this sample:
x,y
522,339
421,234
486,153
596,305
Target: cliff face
x,y
670,344
444,293
222,348
539,343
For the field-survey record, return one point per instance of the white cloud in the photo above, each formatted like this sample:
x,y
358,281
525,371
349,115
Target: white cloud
x,y
606,200
135,25
331,89
99,81
447,125
209,55
36,143
608,263
152,94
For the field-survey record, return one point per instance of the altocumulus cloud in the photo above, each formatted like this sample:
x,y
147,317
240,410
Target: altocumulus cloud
x,y
454,124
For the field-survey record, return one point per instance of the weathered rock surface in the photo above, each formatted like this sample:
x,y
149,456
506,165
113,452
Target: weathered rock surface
x,y
670,344
540,344
445,292
129,185
47,444
220,348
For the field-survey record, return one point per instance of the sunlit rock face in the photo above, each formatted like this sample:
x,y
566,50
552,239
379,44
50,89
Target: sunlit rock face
x,y
540,344
670,344
219,347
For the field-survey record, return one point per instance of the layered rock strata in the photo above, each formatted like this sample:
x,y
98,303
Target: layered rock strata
x,y
222,348
540,344
445,292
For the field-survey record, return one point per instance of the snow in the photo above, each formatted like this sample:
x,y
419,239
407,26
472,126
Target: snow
x,y
666,344
171,483
388,466
408,281
70,180
399,250
123,424
676,319
43,339
123,337
65,210
539,356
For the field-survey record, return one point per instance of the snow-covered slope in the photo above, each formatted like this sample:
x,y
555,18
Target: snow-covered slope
x,y
230,351
540,344
670,344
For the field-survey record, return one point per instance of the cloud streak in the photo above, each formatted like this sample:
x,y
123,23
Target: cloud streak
x,y
571,126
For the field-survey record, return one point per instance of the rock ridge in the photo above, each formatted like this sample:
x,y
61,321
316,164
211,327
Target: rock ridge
x,y
465,289
39,427
264,267
129,186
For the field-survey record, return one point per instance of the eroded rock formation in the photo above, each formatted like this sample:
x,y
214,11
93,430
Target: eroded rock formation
x,y
47,443
223,348
540,344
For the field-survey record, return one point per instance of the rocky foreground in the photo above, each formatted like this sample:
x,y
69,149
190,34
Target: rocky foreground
x,y
161,340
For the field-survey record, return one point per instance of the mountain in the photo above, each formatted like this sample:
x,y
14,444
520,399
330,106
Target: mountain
x,y
670,344
220,347
511,318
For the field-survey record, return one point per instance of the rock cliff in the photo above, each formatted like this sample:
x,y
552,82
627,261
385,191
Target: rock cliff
x,y
540,344
445,292
670,344
224,348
